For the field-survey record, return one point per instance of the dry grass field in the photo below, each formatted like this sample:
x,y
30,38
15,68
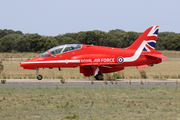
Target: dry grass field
x,y
89,104
12,69
170,54
19,55
166,69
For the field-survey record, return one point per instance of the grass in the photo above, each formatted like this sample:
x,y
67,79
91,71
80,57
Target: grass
x,y
62,80
85,104
3,81
143,74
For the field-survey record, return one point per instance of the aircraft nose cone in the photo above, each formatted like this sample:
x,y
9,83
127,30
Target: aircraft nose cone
x,y
22,64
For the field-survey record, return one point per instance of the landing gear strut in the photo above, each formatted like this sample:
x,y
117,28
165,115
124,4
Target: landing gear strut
x,y
99,76
39,77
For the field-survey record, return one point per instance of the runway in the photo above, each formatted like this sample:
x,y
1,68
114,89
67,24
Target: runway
x,y
87,83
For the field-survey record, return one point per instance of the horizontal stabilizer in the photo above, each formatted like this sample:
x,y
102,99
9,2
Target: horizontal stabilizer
x,y
141,66
157,55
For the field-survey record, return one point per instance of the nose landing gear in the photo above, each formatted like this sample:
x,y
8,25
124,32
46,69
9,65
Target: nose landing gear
x,y
39,77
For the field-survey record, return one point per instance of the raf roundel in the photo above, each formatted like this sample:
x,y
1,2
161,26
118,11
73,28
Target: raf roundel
x,y
120,60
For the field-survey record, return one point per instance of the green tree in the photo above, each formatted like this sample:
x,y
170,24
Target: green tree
x,y
122,37
62,39
36,42
21,44
48,42
160,44
172,42
6,42
90,37
132,36
98,38
7,32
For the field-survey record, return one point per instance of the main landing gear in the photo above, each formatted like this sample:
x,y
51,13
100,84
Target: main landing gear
x,y
39,77
96,74
99,76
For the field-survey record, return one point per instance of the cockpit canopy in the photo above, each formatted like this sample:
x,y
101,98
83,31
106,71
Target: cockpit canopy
x,y
61,49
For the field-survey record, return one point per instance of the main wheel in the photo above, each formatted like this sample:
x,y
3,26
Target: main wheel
x,y
99,76
39,77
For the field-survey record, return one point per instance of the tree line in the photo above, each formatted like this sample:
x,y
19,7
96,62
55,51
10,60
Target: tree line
x,y
16,41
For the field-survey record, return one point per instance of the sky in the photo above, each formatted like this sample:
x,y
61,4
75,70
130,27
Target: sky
x,y
55,17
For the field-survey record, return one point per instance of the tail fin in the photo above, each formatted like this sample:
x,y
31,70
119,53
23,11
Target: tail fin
x,y
146,43
149,38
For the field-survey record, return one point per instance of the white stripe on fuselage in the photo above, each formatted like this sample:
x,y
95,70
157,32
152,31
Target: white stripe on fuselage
x,y
57,61
137,53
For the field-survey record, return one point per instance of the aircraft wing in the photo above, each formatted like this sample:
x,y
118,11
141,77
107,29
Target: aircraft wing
x,y
102,67
157,55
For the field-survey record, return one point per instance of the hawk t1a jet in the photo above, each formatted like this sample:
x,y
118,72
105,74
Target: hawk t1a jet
x,y
96,60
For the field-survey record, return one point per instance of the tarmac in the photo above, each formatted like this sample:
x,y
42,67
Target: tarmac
x,y
88,83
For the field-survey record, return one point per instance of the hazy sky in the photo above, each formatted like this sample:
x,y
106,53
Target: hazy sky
x,y
54,17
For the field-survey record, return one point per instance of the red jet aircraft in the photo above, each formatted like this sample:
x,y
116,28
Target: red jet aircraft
x,y
95,60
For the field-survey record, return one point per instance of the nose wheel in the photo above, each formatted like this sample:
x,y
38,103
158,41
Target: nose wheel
x,y
39,77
